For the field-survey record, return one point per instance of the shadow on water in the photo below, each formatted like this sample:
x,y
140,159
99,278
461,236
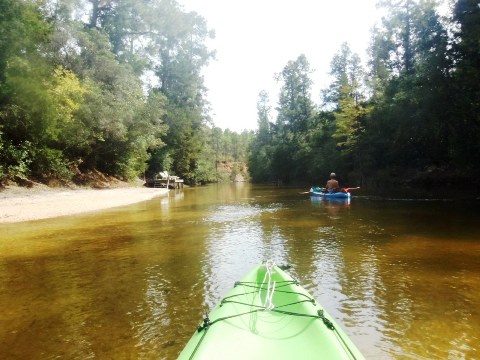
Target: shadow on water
x,y
401,277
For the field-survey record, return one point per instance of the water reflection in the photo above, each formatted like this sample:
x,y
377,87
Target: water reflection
x,y
332,207
403,278
236,229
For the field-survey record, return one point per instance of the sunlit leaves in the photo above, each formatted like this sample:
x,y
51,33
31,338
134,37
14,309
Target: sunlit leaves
x,y
67,91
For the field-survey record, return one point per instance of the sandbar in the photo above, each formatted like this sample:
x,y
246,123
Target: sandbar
x,y
20,204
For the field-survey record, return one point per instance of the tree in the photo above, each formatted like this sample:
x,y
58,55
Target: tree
x,y
295,112
260,156
23,71
180,53
263,118
466,117
346,96
31,115
409,60
398,35
71,91
295,107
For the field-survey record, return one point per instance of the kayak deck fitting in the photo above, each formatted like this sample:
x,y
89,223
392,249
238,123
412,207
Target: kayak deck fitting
x,y
269,315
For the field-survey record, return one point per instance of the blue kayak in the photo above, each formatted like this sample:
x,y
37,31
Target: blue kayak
x,y
328,195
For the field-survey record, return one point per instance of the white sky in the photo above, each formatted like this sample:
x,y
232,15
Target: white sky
x,y
256,38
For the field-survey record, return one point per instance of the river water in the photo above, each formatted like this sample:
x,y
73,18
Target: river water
x,y
402,277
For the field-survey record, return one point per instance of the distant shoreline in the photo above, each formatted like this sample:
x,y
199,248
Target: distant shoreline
x,y
20,204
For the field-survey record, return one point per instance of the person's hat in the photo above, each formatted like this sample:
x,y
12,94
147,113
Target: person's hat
x,y
333,175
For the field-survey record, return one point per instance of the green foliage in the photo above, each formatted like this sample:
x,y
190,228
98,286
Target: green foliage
x,y
181,53
415,108
295,106
411,111
260,153
68,91
16,160
223,153
2,166
465,117
72,94
70,97
295,114
347,96
22,30
260,165
122,92
206,171
50,164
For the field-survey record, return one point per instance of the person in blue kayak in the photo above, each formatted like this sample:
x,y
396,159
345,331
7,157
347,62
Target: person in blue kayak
x,y
332,184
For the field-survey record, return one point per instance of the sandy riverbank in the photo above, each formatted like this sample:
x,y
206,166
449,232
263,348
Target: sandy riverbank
x,y
20,204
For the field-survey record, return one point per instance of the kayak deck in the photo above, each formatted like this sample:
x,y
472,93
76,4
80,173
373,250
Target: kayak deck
x,y
268,315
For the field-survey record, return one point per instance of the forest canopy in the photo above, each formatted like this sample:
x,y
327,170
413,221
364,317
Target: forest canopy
x,y
116,86
411,116
106,85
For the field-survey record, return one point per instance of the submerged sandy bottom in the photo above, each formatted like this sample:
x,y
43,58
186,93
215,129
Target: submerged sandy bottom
x,y
19,204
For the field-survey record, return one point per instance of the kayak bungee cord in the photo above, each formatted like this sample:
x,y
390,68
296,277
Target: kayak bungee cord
x,y
256,287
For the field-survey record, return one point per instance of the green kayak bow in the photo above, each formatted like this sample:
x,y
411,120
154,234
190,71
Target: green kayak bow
x,y
268,315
